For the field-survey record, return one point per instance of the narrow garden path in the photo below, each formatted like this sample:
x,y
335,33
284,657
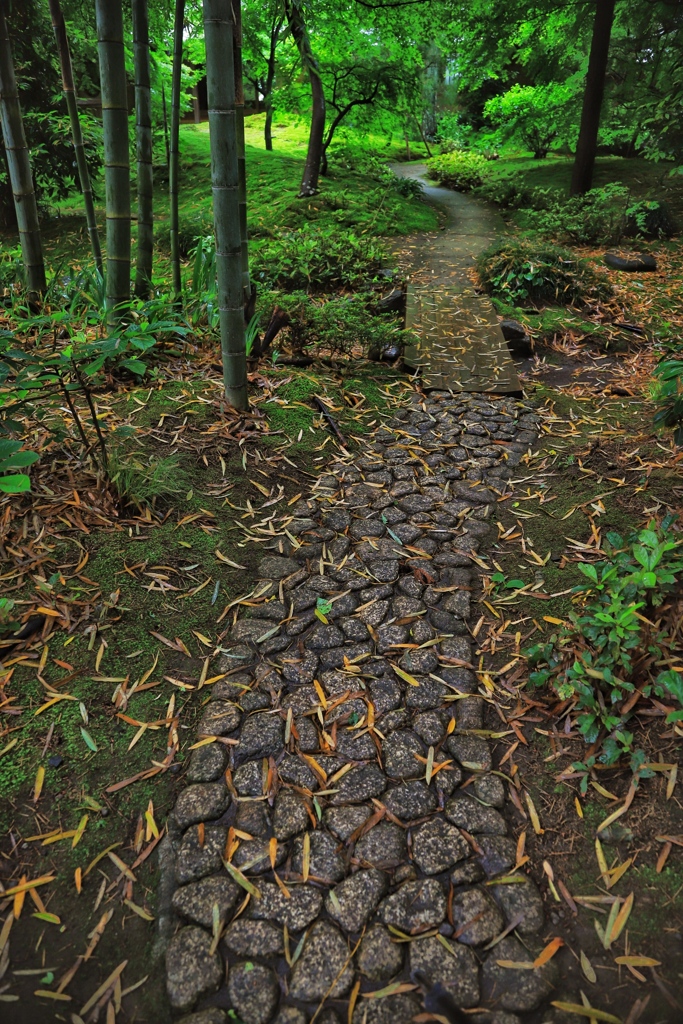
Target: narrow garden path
x,y
342,850
460,343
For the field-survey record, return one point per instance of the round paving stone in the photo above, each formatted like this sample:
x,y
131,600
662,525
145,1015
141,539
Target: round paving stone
x,y
398,751
420,661
326,864
415,907
467,872
353,901
466,812
384,846
196,900
207,763
522,903
324,637
476,917
437,846
512,988
213,1015
456,971
195,860
360,784
323,960
429,727
411,800
396,1009
289,815
344,821
220,718
275,568
254,992
253,856
472,752
379,958
254,938
499,854
192,970
300,671
201,802
490,790
248,779
384,570
262,735
301,908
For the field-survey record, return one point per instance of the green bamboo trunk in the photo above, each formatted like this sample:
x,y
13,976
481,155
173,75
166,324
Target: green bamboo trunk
x,y
218,34
143,147
19,165
116,159
69,90
241,155
174,156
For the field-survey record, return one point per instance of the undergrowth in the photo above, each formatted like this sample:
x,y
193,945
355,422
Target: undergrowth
x,y
524,272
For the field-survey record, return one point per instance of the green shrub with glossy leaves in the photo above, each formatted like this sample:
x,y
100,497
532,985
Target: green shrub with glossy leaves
x,y
530,273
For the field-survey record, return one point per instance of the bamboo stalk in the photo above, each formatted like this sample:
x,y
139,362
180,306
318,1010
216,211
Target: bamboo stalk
x,y
241,155
110,47
218,34
143,147
69,91
174,156
19,164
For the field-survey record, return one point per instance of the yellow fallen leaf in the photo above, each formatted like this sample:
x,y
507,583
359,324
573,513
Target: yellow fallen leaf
x,y
38,787
637,961
587,1011
533,814
587,968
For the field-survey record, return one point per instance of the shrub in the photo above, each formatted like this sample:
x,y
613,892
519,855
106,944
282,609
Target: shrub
x,y
609,643
461,170
317,259
340,326
523,272
191,227
669,372
535,115
146,481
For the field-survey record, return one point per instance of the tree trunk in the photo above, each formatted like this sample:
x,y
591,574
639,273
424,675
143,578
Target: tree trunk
x,y
116,159
174,167
241,155
586,147
275,30
165,114
143,146
297,25
218,34
19,165
268,129
69,91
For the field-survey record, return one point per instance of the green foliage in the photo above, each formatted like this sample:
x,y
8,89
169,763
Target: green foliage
x,y
523,273
11,458
317,259
461,169
596,659
669,373
340,326
146,481
535,115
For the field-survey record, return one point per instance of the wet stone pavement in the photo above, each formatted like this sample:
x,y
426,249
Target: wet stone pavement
x,y
348,779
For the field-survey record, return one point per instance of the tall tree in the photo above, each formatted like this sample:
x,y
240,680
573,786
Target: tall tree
x,y
19,165
143,148
263,27
297,26
69,90
587,145
111,52
218,34
174,154
241,154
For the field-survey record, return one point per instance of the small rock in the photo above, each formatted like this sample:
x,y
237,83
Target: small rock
x,y
472,752
384,846
490,790
360,784
399,750
300,671
196,900
254,938
275,568
429,694
395,1009
207,763
214,1015
353,901
290,1015
219,719
466,812
379,958
415,907
253,856
521,901
499,854
201,802
289,815
262,735
195,860
437,846
325,636
303,906
411,800
429,727
322,961
354,747
513,988
385,570
326,864
476,917
344,821
467,872
248,779
254,992
192,970
455,969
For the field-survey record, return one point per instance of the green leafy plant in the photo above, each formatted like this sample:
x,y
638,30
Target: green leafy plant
x,y
524,273
317,259
12,458
145,482
669,374
610,646
535,115
461,169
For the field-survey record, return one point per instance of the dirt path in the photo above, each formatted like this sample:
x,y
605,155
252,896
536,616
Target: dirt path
x,y
347,790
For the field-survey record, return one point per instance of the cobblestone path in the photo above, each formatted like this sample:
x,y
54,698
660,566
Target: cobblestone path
x,y
341,847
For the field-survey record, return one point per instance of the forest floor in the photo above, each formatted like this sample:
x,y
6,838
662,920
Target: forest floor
x,y
102,708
